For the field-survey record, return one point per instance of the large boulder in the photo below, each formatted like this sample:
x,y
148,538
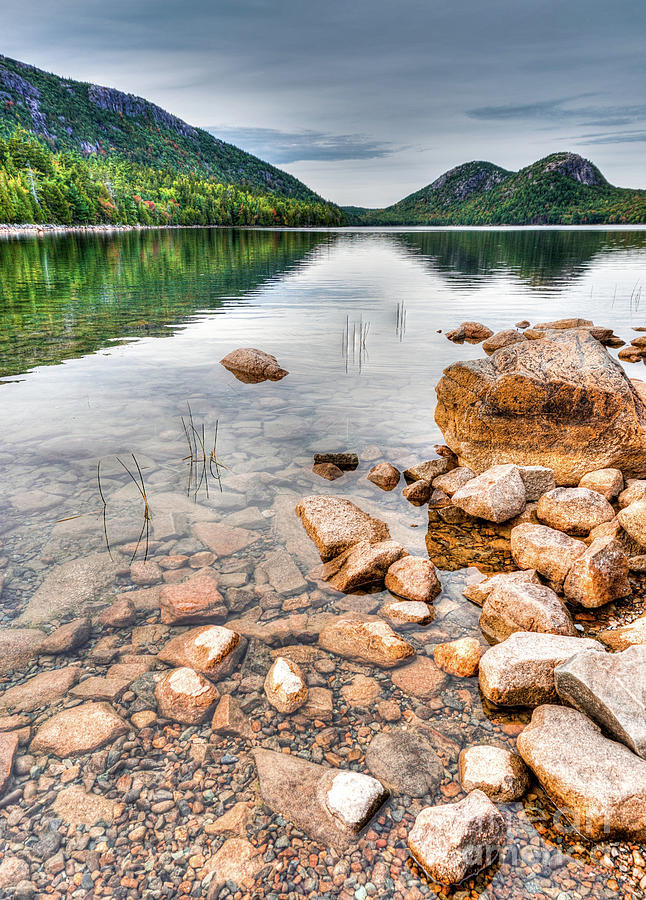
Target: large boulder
x,y
546,550
455,840
599,784
497,495
598,576
611,689
561,402
520,670
576,510
524,607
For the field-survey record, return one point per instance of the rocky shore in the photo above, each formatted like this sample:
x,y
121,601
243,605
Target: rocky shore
x,y
282,700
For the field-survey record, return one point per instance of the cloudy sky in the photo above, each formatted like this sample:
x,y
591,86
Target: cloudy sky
x,y
367,100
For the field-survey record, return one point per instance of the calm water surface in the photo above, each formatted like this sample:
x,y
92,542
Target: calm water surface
x,y
105,341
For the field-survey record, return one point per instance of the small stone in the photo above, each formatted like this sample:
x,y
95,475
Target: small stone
x,y
524,607
319,704
192,602
364,564
78,730
550,552
335,524
354,798
252,366
285,686
76,806
328,471
144,719
460,657
497,772
119,615
455,840
608,482
9,741
452,481
422,678
370,641
185,696
418,493
13,870
229,718
473,332
574,510
502,339
213,650
478,592
389,710
405,612
413,578
430,469
385,476
598,576
497,495
67,637
362,691
520,670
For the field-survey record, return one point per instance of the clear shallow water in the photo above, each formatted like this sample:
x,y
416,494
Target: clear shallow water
x,y
106,340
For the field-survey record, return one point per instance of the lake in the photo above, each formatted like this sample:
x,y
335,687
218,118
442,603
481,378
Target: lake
x,y
110,347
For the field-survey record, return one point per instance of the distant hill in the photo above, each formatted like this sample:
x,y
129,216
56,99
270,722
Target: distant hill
x,y
92,120
560,189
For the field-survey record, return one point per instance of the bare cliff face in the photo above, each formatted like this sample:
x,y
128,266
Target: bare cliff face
x,y
132,106
561,402
574,166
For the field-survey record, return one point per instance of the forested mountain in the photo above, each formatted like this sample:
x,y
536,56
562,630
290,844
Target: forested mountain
x,y
77,153
561,189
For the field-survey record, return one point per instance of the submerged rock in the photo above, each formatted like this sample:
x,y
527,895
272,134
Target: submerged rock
x,y
78,730
455,840
40,690
575,510
497,495
213,650
330,805
460,657
520,670
341,460
524,607
185,696
418,493
405,763
368,640
8,748
599,784
413,578
385,476
253,366
285,686
19,647
609,688
406,612
67,637
192,602
473,332
499,773
546,550
229,718
336,524
561,402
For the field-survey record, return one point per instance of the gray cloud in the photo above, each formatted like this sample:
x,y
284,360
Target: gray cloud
x,y
619,137
345,94
282,147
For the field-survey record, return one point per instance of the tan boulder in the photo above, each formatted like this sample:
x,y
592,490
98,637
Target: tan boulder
x,y
363,564
562,402
473,332
336,524
598,576
497,495
418,493
452,481
546,550
285,686
524,607
413,578
76,806
192,602
497,772
328,471
538,480
385,476
520,670
598,783
478,591
502,339
633,520
575,510
365,640
213,650
460,657
185,696
635,490
430,468
608,482
81,729
626,635
454,840
253,366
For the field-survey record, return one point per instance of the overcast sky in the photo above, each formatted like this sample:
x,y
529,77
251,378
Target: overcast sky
x,y
367,100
